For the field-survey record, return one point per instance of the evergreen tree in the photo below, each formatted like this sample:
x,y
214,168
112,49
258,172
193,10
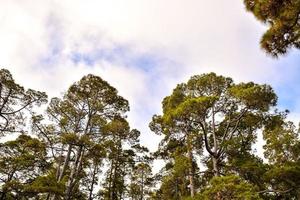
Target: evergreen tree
x,y
79,119
213,111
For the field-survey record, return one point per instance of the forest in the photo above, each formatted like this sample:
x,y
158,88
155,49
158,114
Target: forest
x,y
80,145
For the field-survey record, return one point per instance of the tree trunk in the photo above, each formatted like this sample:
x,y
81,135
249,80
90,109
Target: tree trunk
x,y
215,166
59,162
110,180
93,180
191,175
114,195
61,173
142,186
214,156
3,194
191,169
66,162
73,172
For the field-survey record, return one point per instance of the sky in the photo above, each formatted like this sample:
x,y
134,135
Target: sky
x,y
141,47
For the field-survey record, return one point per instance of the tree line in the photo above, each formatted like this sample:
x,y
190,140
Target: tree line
x,y
82,146
81,138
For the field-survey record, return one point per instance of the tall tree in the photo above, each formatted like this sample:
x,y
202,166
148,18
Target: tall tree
x,y
78,122
141,181
177,127
283,19
214,110
175,181
120,157
222,112
95,157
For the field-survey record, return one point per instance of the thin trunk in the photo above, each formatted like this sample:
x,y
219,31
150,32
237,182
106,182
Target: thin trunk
x,y
73,172
191,173
176,190
110,180
191,169
215,151
113,191
215,155
66,162
3,194
93,181
142,186
214,132
59,162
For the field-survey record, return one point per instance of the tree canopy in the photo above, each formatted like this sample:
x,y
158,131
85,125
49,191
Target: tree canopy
x,y
83,147
209,126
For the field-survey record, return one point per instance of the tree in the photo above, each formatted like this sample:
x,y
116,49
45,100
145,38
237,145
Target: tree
x,y
221,112
87,130
176,126
176,183
213,111
95,157
14,100
120,159
141,181
283,18
78,122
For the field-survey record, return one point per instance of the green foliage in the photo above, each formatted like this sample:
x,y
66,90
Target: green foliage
x,y
254,96
46,184
85,148
174,187
88,118
141,182
21,163
211,113
14,101
282,148
282,142
248,166
229,187
282,17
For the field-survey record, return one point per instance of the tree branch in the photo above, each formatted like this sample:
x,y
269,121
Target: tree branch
x,y
206,140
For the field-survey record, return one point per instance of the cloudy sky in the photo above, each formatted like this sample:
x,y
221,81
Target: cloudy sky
x,y
142,47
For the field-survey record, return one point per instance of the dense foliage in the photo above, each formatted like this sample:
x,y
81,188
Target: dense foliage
x,y
209,126
283,19
82,146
